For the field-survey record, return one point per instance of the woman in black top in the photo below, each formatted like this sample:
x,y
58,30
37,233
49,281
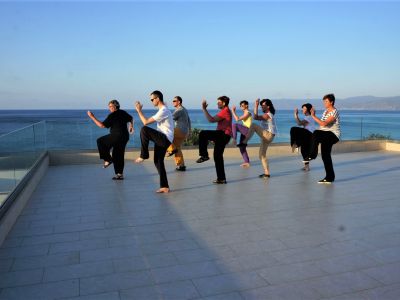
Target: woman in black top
x,y
117,139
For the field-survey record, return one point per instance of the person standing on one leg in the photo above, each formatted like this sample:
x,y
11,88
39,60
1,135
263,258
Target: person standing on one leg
x,y
181,132
243,128
162,137
302,136
117,139
220,137
327,135
266,131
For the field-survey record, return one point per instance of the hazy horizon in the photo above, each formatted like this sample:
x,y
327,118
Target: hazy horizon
x,y
80,55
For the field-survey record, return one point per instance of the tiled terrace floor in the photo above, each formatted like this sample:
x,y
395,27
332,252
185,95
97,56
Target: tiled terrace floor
x,y
84,236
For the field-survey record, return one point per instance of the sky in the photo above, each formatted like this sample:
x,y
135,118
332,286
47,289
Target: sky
x,y
80,55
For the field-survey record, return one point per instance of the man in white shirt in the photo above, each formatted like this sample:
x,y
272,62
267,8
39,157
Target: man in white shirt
x,y
162,137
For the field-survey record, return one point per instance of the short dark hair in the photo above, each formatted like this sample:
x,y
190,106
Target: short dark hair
x,y
115,103
159,95
244,102
179,99
224,99
330,97
308,106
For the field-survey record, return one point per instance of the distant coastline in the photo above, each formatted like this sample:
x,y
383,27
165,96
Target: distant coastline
x,y
359,103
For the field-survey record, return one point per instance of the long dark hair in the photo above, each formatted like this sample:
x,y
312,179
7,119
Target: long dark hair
x,y
269,104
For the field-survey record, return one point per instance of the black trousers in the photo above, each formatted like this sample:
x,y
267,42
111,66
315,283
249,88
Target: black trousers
x,y
327,139
161,144
220,140
302,138
118,143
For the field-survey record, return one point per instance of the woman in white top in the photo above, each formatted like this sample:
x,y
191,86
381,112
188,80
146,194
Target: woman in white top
x,y
302,136
266,131
327,135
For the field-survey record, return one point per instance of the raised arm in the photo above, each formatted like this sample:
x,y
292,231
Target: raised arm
x,y
95,120
139,109
209,117
244,117
256,104
256,116
298,121
328,121
234,113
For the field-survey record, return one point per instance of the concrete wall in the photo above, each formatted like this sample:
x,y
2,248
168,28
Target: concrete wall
x,y
393,146
67,157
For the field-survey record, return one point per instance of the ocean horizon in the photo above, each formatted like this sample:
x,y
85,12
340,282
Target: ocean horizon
x,y
62,124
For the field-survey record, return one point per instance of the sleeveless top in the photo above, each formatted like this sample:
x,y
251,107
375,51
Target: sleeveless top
x,y
269,124
248,121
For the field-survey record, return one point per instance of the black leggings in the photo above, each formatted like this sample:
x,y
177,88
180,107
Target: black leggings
x,y
302,138
220,140
327,139
117,143
161,144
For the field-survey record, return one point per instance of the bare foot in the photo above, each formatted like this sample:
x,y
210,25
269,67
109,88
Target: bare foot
x,y
163,190
139,160
245,165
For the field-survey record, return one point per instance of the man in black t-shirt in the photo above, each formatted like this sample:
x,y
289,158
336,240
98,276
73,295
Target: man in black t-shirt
x,y
117,139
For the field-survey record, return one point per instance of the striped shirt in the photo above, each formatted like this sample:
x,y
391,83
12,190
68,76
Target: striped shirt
x,y
335,125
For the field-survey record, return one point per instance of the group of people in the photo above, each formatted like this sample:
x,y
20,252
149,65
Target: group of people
x,y
173,128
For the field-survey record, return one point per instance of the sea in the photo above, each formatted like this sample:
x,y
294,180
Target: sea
x,y
72,129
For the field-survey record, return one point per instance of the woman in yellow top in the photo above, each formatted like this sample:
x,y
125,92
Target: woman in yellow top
x,y
243,128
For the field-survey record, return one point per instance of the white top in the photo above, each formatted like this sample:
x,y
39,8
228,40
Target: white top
x,y
165,123
269,124
335,125
310,123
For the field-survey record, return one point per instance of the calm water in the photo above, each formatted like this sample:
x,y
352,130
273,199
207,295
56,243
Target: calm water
x,y
73,129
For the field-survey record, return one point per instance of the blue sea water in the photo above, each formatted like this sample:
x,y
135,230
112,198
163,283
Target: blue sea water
x,y
69,129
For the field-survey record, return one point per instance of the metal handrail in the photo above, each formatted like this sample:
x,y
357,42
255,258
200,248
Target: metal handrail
x,y
20,129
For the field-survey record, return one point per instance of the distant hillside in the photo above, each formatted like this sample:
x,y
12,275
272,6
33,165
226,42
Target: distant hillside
x,y
352,103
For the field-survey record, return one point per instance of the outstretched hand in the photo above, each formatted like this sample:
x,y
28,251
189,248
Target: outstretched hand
x,y
312,111
296,111
204,104
257,103
234,108
90,114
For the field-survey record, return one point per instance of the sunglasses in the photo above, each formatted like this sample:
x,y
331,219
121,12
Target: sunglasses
x,y
152,99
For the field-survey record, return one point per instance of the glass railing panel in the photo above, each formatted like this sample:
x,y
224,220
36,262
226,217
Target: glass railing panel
x,y
19,150
81,135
